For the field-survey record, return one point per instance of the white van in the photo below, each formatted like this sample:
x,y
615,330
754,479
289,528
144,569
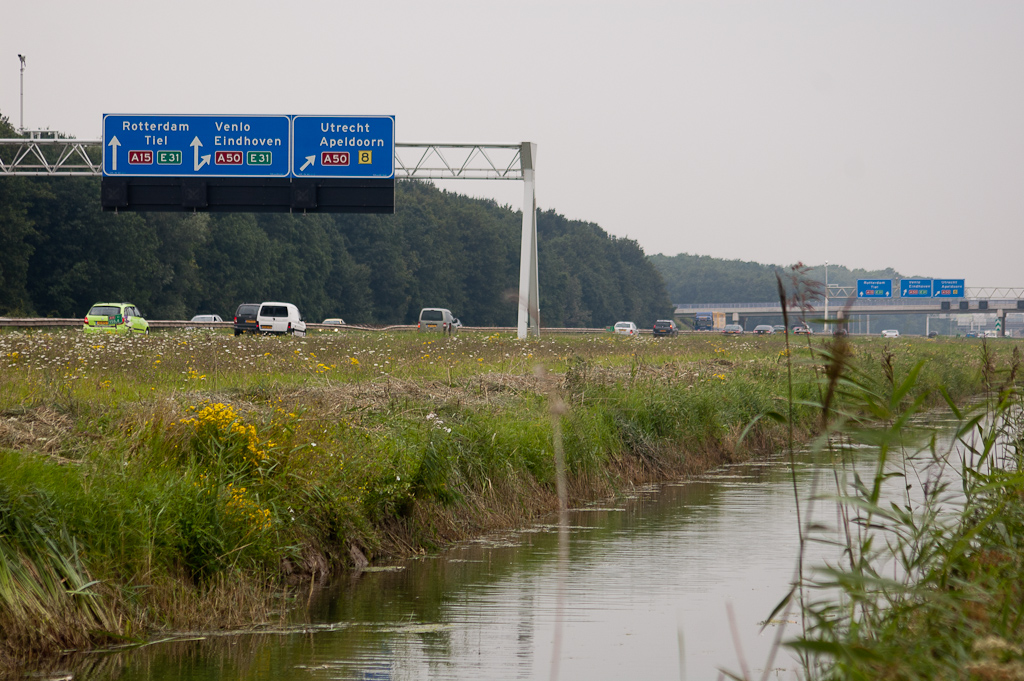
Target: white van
x,y
436,319
280,318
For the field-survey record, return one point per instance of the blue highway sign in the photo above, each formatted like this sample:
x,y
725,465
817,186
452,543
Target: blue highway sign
x,y
343,146
915,288
150,145
948,288
874,288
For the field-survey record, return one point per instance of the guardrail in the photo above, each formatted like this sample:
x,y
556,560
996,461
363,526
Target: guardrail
x,y
76,322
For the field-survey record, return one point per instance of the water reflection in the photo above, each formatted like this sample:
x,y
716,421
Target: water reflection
x,y
635,588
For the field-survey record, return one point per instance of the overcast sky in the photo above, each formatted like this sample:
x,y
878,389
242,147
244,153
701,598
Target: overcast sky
x,y
870,134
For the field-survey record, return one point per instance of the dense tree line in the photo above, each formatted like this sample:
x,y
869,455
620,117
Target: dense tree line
x,y
61,254
691,279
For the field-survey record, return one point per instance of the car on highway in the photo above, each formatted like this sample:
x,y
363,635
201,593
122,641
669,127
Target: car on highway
x,y
245,319
665,327
764,329
802,329
333,321
732,329
779,328
890,333
206,318
625,329
280,319
120,318
436,319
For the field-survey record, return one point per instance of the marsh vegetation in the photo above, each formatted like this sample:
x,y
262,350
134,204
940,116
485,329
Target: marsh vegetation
x,y
187,480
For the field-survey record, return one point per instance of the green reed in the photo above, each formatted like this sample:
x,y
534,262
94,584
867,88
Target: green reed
x,y
926,579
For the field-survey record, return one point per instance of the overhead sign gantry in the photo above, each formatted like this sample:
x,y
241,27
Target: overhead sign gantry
x,y
415,161
168,162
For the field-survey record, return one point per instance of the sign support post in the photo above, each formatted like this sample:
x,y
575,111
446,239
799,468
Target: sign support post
x,y
529,297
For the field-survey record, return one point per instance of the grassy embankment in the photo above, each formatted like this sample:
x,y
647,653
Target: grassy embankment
x,y
177,481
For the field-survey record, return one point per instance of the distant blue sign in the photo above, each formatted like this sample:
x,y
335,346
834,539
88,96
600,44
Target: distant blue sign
x,y
343,146
195,146
915,288
874,288
948,288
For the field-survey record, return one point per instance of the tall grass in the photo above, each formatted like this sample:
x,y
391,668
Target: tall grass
x,y
187,477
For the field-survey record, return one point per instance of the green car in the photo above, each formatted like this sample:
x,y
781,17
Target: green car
x,y
115,318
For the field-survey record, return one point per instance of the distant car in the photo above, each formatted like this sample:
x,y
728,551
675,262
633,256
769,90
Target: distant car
x,y
764,329
890,333
436,319
779,328
207,318
665,327
333,321
280,319
245,319
800,328
991,333
120,318
456,324
840,332
626,329
933,334
732,329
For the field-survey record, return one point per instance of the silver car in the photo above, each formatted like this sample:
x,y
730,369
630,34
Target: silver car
x,y
436,319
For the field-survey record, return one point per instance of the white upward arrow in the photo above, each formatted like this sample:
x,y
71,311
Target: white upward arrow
x,y
310,160
113,152
195,147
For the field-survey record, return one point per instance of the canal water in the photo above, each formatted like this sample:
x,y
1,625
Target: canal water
x,y
671,581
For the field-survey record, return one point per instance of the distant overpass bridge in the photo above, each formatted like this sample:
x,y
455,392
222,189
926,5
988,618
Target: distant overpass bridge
x,y
843,304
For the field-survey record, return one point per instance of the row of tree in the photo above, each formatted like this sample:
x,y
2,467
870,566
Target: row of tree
x,y
691,279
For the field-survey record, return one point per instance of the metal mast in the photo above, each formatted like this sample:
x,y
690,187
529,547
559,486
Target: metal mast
x,y
21,123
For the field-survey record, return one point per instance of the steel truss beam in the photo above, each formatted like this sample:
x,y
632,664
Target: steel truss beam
x,y
50,157
413,161
458,161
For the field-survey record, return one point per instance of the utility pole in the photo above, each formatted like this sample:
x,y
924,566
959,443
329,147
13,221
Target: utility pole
x,y
826,296
21,128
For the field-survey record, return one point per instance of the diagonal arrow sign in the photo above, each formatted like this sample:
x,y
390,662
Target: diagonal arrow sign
x,y
113,152
310,160
195,147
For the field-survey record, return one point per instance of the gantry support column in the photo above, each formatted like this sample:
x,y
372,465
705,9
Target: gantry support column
x,y
529,295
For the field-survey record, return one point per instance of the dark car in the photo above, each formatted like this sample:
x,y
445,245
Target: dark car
x,y
665,327
245,319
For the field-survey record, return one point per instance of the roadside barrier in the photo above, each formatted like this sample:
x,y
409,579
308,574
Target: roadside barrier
x,y
76,322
